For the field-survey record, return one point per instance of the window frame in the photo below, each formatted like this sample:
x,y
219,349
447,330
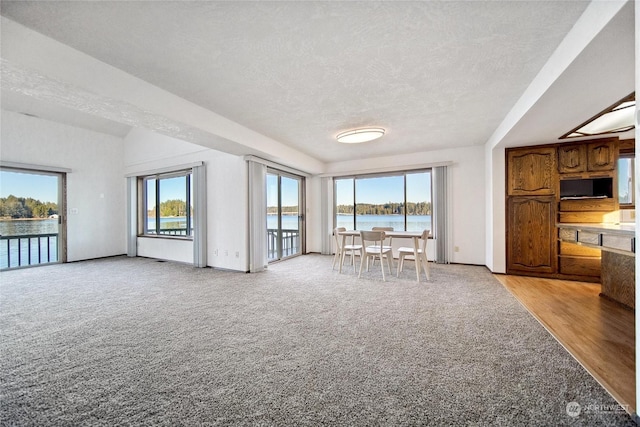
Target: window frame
x,y
143,230
632,156
401,173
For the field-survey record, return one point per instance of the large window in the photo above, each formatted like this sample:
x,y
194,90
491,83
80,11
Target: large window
x,y
399,200
167,204
626,181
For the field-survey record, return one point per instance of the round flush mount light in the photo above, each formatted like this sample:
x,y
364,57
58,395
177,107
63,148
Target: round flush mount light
x,y
360,135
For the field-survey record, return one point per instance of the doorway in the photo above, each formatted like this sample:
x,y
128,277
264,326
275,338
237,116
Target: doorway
x,y
32,226
285,219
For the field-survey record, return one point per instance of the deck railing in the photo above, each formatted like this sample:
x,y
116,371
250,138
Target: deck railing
x,y
28,249
290,243
172,232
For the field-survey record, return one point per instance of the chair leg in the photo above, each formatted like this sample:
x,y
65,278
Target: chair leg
x,y
426,266
400,262
382,267
335,258
342,261
362,261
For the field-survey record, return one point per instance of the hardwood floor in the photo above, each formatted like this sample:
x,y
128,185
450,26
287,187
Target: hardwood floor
x,y
598,332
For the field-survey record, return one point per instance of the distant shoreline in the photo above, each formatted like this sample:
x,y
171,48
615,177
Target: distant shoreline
x,y
26,219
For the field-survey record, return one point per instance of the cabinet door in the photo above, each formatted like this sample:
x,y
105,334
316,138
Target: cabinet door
x,y
532,243
532,171
572,159
601,156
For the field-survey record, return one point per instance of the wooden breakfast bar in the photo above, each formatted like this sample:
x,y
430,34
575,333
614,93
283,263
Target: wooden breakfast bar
x,y
618,245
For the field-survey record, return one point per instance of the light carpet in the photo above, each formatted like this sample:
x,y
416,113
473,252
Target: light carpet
x,y
123,341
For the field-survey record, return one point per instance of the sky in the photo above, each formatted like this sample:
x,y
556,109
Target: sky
x,y
39,187
170,189
379,190
290,192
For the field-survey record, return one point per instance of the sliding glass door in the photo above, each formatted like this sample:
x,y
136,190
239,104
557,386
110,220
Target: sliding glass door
x,y
285,223
31,226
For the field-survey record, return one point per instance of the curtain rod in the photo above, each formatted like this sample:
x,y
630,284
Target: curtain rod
x,y
388,169
165,169
34,168
275,165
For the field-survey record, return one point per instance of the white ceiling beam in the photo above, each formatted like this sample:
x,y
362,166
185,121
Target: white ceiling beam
x,y
37,66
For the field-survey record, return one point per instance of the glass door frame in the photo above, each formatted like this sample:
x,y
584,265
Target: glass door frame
x,y
61,174
301,213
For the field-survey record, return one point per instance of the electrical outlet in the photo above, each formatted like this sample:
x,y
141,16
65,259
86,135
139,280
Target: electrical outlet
x,y
456,249
237,254
215,252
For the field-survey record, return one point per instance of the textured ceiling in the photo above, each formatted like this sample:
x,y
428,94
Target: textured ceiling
x,y
434,74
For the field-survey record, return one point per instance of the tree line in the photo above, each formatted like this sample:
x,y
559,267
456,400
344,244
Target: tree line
x,y
290,210
21,207
391,208
173,207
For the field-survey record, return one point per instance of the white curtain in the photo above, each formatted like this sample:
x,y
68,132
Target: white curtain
x,y
441,214
132,216
199,185
326,218
257,216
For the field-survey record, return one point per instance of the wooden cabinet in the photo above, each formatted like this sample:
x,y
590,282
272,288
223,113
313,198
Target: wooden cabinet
x,y
583,262
572,158
566,183
581,158
532,235
601,156
532,172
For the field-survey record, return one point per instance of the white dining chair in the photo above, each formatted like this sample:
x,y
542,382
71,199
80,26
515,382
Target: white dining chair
x,y
342,251
403,252
390,238
385,229
373,248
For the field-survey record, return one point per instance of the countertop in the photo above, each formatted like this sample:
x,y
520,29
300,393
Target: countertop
x,y
625,229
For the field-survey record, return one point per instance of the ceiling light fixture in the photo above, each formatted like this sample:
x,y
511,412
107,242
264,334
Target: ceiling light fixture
x,y
360,135
616,118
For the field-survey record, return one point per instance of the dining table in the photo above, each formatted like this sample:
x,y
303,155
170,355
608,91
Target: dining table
x,y
413,235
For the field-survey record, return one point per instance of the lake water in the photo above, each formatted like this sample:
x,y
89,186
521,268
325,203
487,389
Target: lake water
x,y
363,222
32,226
25,251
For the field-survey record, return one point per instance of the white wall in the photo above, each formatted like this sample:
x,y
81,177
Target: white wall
x,y
95,186
467,173
495,179
227,199
313,215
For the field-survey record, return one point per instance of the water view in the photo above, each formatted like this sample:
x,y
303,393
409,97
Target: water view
x,y
19,227
367,222
175,225
20,244
363,222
